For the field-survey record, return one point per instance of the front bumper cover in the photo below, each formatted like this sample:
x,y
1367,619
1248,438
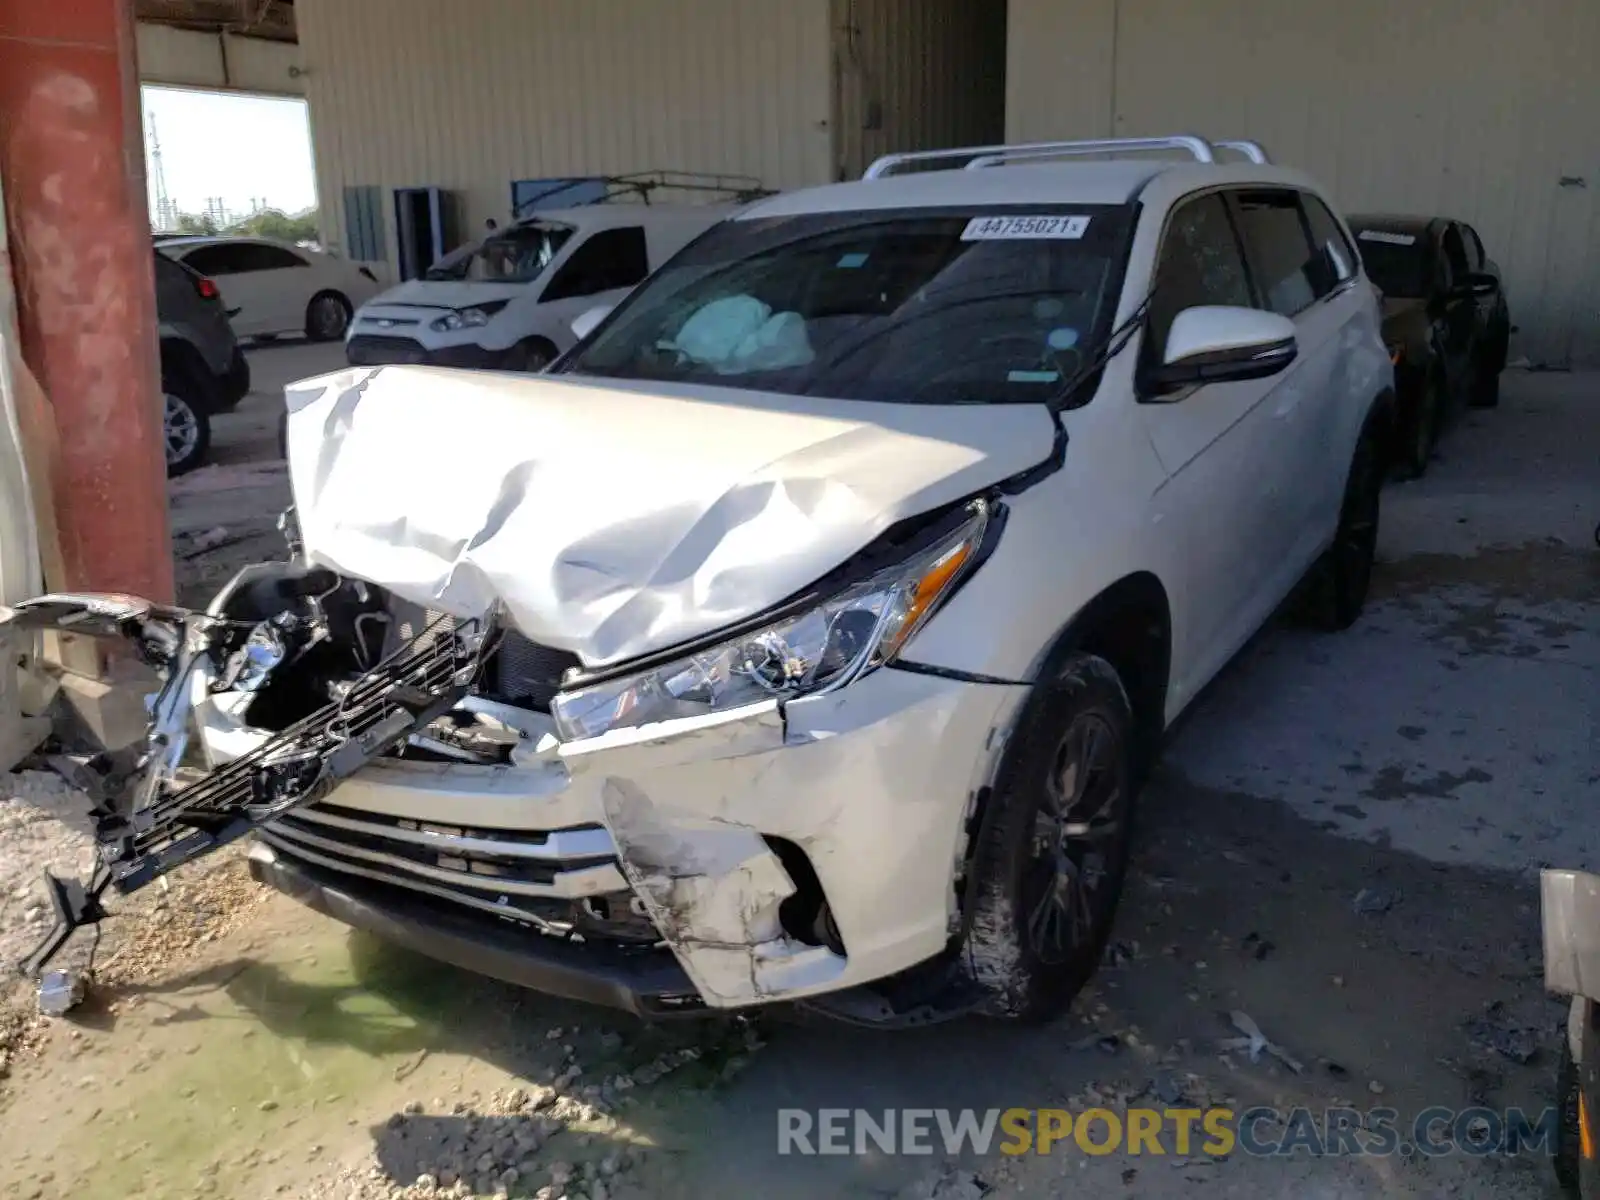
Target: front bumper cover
x,y
874,784
647,982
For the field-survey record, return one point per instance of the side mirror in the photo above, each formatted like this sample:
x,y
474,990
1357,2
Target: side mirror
x,y
586,323
1217,344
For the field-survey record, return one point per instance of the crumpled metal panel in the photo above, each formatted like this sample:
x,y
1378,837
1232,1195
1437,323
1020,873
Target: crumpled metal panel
x,y
616,519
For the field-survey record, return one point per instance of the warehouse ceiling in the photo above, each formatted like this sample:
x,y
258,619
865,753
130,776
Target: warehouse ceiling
x,y
271,19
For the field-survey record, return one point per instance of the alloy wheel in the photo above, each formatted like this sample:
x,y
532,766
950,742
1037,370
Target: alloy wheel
x,y
181,428
1064,888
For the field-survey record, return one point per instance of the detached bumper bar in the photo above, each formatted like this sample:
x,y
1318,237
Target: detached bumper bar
x,y
646,982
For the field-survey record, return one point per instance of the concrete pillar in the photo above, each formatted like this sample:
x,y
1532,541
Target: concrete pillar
x,y
72,161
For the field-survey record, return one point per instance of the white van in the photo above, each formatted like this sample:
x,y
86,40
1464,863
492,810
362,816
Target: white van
x,y
508,302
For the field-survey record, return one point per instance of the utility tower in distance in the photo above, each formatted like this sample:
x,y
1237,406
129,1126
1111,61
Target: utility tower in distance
x,y
165,216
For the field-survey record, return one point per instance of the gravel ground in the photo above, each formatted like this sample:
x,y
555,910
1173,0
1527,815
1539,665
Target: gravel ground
x,y
43,827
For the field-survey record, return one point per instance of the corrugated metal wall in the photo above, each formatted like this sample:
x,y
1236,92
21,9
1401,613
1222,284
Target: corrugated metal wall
x,y
472,95
915,75
189,58
1476,108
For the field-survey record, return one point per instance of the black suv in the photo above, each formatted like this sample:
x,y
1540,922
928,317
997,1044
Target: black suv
x,y
203,371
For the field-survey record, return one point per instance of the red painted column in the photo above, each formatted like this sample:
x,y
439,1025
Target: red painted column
x,y
72,161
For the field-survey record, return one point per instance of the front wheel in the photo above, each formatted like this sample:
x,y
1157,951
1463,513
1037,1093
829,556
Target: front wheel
x,y
327,317
186,427
1343,575
1423,428
1053,848
530,356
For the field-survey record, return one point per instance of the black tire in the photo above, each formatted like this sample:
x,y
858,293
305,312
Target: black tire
x,y
1045,890
1339,582
1567,1159
1422,426
186,424
530,356
235,385
328,316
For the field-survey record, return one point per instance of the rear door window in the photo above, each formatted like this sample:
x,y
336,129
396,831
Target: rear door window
x,y
1279,249
220,258
611,259
1337,258
271,258
1455,255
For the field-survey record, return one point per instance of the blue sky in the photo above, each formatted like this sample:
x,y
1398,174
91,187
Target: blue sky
x,y
236,147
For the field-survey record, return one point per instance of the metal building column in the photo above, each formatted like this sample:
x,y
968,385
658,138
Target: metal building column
x,y
72,161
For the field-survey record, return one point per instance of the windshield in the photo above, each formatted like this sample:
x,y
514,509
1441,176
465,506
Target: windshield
x,y
515,255
927,306
1396,261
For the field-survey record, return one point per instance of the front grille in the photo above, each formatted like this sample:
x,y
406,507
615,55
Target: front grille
x,y
520,672
534,876
562,881
371,350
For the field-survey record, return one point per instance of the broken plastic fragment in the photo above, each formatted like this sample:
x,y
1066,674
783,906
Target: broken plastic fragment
x,y
60,992
1254,1041
1373,902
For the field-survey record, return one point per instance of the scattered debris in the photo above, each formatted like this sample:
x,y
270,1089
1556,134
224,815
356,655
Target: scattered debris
x,y
948,1183
1256,946
1254,1041
1374,902
1106,1043
60,992
1167,1088
1119,953
1495,1031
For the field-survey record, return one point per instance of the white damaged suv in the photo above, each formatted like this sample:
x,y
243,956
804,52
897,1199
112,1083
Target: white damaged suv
x,y
824,609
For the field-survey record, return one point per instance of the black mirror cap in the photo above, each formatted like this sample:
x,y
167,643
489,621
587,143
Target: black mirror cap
x,y
1226,366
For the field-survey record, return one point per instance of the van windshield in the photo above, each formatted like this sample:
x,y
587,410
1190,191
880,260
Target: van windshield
x,y
515,255
930,306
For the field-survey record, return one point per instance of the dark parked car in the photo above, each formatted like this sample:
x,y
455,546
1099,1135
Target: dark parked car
x,y
203,371
1444,318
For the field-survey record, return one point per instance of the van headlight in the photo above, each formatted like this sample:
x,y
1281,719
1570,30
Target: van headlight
x,y
828,646
475,317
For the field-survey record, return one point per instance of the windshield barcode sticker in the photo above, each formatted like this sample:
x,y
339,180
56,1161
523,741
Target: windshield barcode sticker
x,y
1387,238
983,229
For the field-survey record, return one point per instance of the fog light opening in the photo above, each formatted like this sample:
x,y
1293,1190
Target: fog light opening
x,y
805,915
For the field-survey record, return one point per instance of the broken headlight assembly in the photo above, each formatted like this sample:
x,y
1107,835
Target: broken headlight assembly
x,y
857,630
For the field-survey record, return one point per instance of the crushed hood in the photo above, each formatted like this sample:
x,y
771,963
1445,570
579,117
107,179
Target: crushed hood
x,y
614,519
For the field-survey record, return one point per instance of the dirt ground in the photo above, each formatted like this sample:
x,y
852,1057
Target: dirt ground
x,y
1341,843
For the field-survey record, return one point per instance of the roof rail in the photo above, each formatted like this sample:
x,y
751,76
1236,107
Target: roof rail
x,y
1254,151
991,156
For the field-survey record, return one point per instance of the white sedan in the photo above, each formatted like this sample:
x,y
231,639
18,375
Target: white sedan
x,y
271,287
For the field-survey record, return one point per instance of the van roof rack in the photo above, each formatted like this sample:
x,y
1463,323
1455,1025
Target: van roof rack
x,y
980,157
643,185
